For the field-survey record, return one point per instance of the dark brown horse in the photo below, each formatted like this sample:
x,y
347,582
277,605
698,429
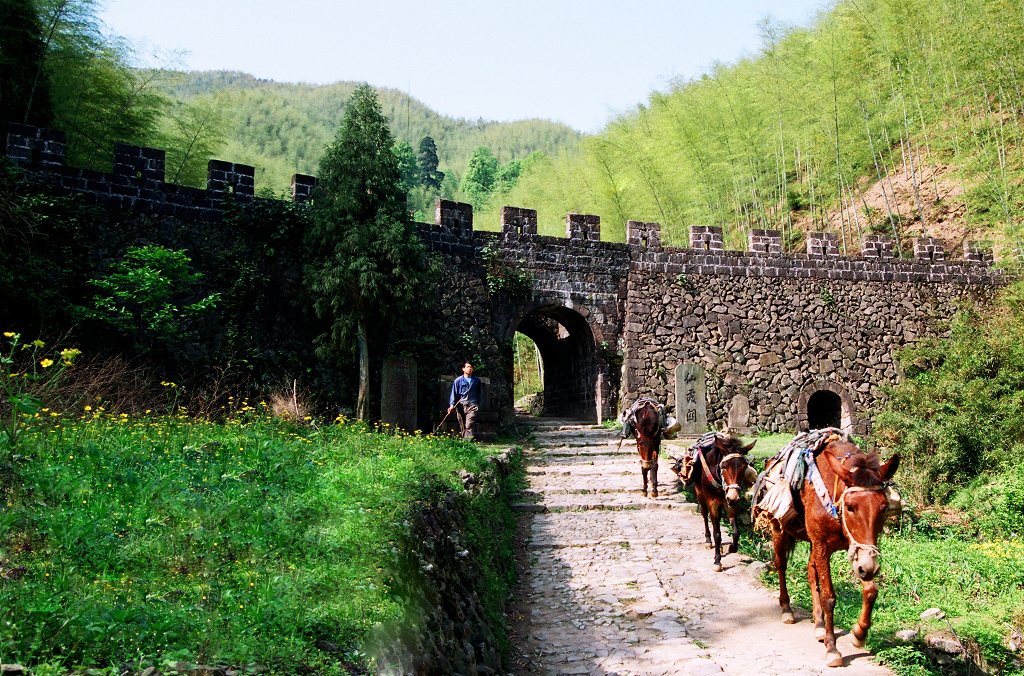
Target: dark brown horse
x,y
854,481
647,427
720,469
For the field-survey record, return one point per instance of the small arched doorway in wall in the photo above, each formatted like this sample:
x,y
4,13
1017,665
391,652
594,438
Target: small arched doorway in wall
x,y
568,360
825,404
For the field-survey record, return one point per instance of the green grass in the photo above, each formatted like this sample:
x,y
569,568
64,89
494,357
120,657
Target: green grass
x,y
161,539
979,585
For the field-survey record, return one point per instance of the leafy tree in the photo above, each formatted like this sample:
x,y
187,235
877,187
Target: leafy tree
x,y
507,176
98,99
407,167
24,86
431,177
147,297
481,173
367,266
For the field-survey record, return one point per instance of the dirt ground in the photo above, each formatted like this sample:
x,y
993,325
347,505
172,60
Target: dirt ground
x,y
615,583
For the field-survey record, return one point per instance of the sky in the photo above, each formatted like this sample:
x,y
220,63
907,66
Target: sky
x,y
580,62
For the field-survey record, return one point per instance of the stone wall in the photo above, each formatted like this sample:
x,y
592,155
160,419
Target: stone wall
x,y
770,330
614,320
447,629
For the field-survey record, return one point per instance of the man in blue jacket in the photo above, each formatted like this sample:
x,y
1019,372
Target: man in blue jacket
x,y
466,396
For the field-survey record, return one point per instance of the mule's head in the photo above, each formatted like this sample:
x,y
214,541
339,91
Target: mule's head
x,y
733,466
863,503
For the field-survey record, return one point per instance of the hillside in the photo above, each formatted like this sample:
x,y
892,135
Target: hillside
x,y
282,128
883,116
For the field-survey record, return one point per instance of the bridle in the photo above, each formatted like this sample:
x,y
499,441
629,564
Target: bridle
x,y
720,482
721,466
872,550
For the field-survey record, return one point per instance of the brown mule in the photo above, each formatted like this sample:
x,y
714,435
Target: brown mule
x,y
648,443
854,481
718,474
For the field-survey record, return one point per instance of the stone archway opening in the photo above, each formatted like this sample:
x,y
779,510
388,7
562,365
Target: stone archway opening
x,y
824,409
568,360
527,375
826,404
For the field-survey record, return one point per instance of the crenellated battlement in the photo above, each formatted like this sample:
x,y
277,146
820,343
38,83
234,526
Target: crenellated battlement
x,y
137,177
137,182
770,328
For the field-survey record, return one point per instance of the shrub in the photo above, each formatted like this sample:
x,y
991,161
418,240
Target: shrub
x,y
150,297
959,411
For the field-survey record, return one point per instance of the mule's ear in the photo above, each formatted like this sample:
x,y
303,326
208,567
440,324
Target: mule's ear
x,y
745,449
889,467
838,468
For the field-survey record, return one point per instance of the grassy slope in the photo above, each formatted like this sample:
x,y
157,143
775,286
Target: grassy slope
x,y
251,542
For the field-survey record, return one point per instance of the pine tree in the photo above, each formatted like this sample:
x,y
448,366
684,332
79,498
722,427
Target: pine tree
x,y
366,266
430,177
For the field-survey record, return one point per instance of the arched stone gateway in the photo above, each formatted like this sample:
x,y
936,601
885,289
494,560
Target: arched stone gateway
x,y
828,404
568,350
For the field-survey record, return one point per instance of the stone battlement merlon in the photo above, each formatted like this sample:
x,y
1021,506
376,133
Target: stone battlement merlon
x,y
137,178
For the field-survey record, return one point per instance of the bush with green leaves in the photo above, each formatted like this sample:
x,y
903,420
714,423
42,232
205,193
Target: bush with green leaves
x,y
504,278
959,412
149,296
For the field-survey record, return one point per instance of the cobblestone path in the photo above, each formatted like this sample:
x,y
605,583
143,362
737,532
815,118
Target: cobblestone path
x,y
617,583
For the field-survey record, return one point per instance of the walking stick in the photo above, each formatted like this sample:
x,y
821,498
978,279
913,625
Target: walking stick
x,y
442,421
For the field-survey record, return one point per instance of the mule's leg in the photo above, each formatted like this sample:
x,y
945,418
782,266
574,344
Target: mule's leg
x,y
654,475
868,593
827,598
704,513
716,522
643,473
812,582
782,544
735,546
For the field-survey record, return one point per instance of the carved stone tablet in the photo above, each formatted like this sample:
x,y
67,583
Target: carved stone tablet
x,y
398,393
691,402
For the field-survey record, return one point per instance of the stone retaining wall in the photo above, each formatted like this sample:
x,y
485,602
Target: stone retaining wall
x,y
447,629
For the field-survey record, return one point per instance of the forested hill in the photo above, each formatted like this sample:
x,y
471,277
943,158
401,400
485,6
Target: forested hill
x,y
899,117
282,128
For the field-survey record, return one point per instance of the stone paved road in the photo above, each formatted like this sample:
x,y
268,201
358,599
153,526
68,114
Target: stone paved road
x,y
616,583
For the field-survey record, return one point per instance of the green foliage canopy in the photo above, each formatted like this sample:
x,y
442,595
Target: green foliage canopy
x,y
146,296
366,264
959,412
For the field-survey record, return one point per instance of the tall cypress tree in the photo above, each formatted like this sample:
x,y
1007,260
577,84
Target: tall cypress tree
x,y
430,176
367,266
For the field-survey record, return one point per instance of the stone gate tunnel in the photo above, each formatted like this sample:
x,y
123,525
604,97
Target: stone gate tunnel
x,y
568,352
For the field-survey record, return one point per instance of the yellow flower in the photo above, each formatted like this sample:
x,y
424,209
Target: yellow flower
x,y
46,363
38,343
88,408
9,334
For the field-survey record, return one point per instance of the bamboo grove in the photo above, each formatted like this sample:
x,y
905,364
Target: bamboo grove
x,y
789,139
